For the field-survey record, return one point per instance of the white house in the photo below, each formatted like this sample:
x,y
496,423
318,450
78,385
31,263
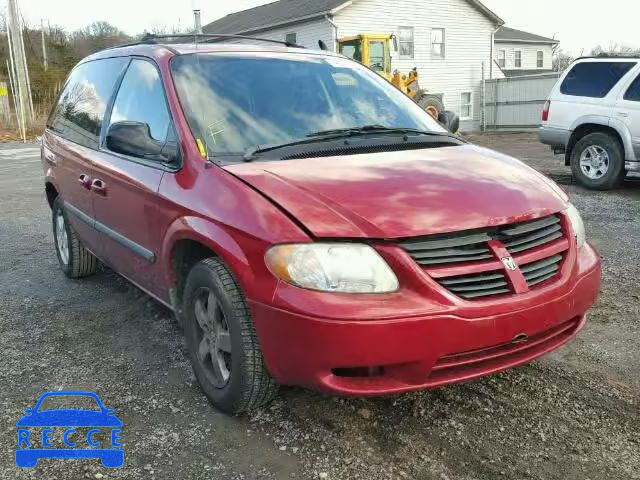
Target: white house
x,y
447,40
520,53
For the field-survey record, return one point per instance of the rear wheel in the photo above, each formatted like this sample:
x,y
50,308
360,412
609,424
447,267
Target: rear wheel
x,y
597,161
222,341
75,260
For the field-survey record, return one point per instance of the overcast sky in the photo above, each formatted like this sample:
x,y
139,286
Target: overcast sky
x,y
579,24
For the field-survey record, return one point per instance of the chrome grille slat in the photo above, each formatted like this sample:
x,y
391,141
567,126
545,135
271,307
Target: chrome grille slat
x,y
461,280
446,260
542,279
451,252
487,293
530,226
536,243
438,242
538,272
535,236
537,265
479,287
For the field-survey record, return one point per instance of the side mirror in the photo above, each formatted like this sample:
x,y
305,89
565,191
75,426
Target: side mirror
x,y
322,45
394,40
449,120
134,139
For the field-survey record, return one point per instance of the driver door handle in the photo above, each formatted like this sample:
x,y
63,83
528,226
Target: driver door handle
x,y
85,181
99,187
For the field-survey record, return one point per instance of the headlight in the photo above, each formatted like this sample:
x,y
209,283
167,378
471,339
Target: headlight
x,y
332,267
576,224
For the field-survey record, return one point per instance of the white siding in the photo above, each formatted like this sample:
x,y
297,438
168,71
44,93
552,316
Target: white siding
x,y
307,34
529,55
467,43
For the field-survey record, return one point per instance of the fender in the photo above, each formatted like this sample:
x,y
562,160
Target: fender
x,y
224,245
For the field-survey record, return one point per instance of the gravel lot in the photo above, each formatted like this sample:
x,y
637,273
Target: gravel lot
x,y
572,415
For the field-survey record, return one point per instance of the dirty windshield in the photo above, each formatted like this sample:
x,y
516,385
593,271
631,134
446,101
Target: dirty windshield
x,y
234,102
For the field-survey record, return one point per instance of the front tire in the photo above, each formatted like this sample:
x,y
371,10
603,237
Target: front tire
x,y
222,341
75,260
597,161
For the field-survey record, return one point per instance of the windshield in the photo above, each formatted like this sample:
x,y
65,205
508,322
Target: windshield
x,y
234,102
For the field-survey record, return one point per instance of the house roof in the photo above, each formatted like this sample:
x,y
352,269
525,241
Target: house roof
x,y
288,12
506,34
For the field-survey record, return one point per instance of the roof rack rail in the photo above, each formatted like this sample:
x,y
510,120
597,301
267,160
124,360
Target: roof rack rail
x,y
608,56
150,38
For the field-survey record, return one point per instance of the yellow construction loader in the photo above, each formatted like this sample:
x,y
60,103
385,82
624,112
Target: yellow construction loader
x,y
374,51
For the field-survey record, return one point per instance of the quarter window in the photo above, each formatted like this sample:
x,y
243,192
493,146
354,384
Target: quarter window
x,y
141,99
79,115
466,105
540,59
437,42
405,35
633,93
594,79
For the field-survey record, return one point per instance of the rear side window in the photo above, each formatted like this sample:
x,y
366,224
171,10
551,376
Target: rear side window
x,y
79,114
633,93
594,79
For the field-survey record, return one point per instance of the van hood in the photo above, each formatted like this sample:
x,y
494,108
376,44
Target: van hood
x,y
406,193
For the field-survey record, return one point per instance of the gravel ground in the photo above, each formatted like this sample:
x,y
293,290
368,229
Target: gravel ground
x,y
571,415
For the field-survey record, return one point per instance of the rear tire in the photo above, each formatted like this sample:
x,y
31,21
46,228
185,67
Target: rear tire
x,y
431,104
597,161
75,260
222,342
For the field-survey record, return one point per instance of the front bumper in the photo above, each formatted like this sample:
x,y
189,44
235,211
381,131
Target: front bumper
x,y
368,355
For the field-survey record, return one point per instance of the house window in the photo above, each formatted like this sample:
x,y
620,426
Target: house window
x,y
291,37
405,35
540,61
466,105
518,59
502,58
437,42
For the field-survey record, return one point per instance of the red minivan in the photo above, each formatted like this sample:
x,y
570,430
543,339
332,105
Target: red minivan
x,y
308,223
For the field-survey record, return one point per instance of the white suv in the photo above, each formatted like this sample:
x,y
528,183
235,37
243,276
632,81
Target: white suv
x,y
593,116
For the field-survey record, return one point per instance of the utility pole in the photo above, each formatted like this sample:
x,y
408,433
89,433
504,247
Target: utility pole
x,y
197,22
45,63
24,106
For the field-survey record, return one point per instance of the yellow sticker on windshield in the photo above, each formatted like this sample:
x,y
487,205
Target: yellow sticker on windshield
x,y
203,151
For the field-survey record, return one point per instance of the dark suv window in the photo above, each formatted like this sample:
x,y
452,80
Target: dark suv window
x,y
141,99
80,111
594,79
633,93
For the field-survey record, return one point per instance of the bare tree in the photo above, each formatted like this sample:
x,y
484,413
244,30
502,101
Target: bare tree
x,y
615,50
561,60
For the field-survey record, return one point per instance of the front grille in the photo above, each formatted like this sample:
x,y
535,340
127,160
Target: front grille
x,y
538,272
471,246
437,253
477,286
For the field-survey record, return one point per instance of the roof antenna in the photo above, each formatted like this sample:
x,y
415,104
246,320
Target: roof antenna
x,y
322,45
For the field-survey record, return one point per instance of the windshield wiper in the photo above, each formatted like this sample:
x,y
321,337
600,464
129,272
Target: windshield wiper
x,y
374,129
251,152
338,133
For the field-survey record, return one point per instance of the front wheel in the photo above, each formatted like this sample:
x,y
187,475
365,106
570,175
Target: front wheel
x,y
597,161
222,341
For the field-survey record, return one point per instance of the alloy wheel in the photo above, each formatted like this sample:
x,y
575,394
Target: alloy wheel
x,y
62,239
594,162
214,340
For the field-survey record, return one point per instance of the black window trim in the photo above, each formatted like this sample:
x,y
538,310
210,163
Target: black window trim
x,y
634,83
102,147
608,60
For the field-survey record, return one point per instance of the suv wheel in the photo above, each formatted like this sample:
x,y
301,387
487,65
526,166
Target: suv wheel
x,y
222,341
75,260
597,161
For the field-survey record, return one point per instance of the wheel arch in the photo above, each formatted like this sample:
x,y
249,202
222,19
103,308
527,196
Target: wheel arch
x,y
51,192
593,124
191,239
